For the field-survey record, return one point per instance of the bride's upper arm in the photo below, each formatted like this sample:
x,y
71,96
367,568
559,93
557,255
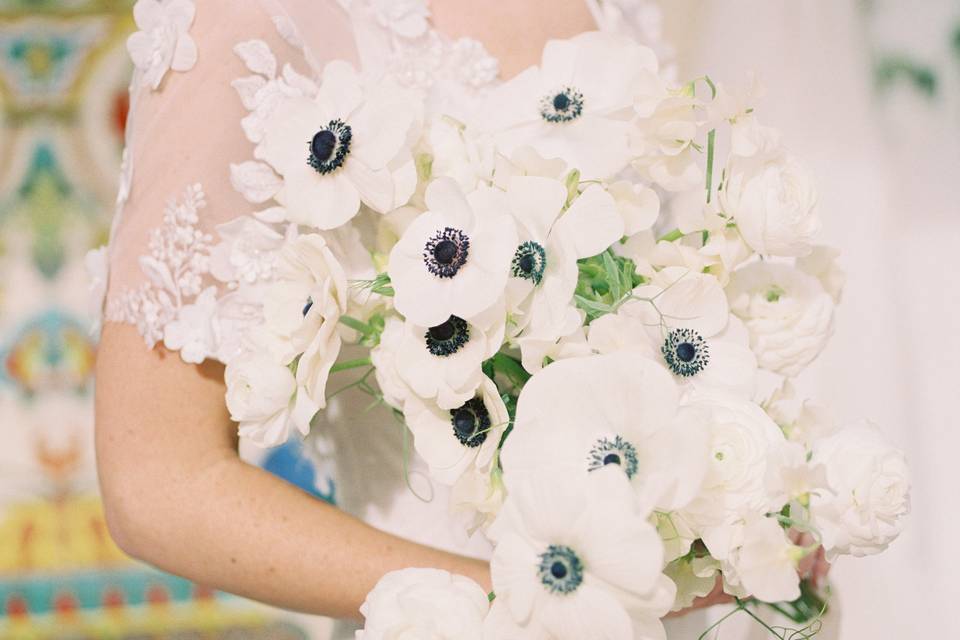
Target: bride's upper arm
x,y
160,394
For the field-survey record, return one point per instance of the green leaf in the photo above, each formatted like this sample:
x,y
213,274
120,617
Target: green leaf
x,y
511,368
613,276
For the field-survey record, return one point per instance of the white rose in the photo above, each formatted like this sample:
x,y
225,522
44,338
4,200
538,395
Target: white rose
x,y
773,201
259,396
869,496
424,604
787,312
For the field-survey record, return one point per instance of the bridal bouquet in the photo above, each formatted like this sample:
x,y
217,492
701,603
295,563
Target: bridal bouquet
x,y
585,292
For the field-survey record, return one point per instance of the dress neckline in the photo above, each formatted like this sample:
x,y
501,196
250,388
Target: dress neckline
x,y
397,38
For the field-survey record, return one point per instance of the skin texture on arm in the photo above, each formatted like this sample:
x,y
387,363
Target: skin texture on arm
x,y
178,496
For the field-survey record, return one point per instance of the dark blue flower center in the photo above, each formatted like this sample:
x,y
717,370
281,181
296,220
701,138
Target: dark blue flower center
x,y
446,252
560,570
471,423
618,451
447,338
562,106
529,262
330,147
685,352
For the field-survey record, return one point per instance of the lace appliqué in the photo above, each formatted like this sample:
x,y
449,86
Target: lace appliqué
x,y
432,58
420,56
163,41
175,268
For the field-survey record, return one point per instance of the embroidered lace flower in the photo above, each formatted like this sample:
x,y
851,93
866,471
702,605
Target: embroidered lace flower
x,y
179,258
163,41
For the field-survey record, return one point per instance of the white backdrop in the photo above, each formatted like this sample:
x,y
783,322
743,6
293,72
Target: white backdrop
x,y
889,170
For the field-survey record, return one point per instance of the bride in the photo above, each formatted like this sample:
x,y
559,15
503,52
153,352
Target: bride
x,y
176,491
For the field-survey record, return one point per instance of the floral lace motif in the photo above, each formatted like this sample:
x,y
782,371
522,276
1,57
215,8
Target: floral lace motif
x,y
178,261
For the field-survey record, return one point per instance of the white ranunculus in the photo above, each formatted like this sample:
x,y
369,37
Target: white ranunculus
x,y
163,41
576,105
442,363
424,604
787,312
742,440
451,441
773,201
260,396
869,496
358,151
617,410
576,560
454,259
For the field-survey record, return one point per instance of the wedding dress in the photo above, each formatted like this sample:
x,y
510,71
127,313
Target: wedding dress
x,y
171,274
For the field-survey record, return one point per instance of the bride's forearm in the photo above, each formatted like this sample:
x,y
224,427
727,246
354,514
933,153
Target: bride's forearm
x,y
247,532
177,495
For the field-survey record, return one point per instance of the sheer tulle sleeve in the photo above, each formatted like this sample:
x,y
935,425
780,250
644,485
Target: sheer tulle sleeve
x,y
186,242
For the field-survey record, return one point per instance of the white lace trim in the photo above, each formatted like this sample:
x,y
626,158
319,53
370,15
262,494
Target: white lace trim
x,y
178,261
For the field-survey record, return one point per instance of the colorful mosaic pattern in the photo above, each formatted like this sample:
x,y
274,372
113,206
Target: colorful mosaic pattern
x,y
63,99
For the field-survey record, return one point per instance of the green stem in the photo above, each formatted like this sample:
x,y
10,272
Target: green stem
x,y
676,234
346,365
711,143
356,325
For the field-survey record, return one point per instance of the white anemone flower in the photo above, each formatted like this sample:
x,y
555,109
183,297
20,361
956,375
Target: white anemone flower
x,y
552,238
576,561
615,410
346,145
451,441
576,105
453,259
443,363
683,317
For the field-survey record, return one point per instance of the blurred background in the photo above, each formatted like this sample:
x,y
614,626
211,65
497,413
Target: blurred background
x,y
867,91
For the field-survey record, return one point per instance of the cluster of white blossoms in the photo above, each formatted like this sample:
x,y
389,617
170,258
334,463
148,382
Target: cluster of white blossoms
x,y
575,297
